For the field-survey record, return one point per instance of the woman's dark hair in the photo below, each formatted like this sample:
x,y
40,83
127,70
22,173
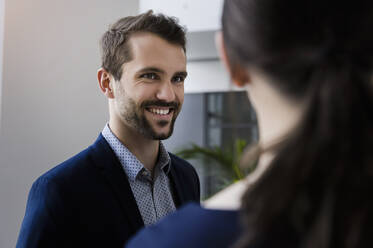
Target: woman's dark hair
x,y
318,191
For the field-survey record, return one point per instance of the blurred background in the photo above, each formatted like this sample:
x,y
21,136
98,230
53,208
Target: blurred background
x,y
51,106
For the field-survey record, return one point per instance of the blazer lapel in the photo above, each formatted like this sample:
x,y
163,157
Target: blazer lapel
x,y
177,185
110,167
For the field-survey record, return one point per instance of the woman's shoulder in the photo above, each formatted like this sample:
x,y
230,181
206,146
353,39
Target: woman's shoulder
x,y
191,226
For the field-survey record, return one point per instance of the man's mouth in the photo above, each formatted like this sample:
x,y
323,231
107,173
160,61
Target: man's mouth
x,y
160,110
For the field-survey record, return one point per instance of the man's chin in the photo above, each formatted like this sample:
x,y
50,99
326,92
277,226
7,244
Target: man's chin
x,y
160,130
161,135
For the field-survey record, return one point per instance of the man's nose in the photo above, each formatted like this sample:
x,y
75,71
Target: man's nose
x,y
166,92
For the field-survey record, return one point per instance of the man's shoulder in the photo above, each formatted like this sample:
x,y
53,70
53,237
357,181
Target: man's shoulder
x,y
186,176
183,167
74,165
78,165
179,162
77,175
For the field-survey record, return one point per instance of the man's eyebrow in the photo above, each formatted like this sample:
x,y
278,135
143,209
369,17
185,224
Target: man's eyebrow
x,y
151,69
181,73
155,69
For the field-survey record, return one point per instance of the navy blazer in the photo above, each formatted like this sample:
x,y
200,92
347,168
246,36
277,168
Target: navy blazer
x,y
87,201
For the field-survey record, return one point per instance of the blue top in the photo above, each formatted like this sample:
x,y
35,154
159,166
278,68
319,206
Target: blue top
x,y
191,226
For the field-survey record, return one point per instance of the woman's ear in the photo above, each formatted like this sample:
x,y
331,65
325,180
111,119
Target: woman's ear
x,y
104,81
238,73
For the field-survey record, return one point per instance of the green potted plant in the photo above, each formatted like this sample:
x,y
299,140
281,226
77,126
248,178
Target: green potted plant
x,y
227,159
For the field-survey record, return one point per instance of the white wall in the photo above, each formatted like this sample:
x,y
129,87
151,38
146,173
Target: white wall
x,y
1,49
208,76
197,15
51,104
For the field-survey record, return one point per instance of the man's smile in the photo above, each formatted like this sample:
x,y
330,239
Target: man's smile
x,y
160,110
162,113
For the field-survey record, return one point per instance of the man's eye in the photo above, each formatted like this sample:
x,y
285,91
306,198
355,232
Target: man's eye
x,y
178,79
151,76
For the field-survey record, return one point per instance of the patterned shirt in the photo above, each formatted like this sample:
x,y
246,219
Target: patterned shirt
x,y
153,196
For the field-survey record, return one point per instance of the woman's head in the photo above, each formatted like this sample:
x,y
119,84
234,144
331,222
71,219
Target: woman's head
x,y
291,40
319,53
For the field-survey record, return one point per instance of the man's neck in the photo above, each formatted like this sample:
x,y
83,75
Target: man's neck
x,y
145,150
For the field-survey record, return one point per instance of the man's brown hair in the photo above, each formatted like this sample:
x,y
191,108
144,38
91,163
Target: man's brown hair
x,y
115,50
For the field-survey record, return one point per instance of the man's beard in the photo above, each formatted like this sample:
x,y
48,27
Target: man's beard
x,y
134,115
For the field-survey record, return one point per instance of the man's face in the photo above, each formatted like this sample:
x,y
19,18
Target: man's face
x,y
150,93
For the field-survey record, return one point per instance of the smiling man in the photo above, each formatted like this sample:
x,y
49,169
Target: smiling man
x,y
126,179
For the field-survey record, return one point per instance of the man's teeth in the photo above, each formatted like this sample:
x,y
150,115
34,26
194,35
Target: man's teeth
x,y
160,111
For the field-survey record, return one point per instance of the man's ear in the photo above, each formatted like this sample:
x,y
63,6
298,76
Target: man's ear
x,y
104,81
239,74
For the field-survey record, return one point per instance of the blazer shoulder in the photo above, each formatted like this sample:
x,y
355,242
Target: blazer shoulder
x,y
74,165
183,166
186,177
80,165
181,163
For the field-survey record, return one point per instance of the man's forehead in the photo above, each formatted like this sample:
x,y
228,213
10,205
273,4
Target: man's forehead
x,y
149,50
146,43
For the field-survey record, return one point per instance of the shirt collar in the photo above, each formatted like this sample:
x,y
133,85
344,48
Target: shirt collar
x,y
164,160
131,165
